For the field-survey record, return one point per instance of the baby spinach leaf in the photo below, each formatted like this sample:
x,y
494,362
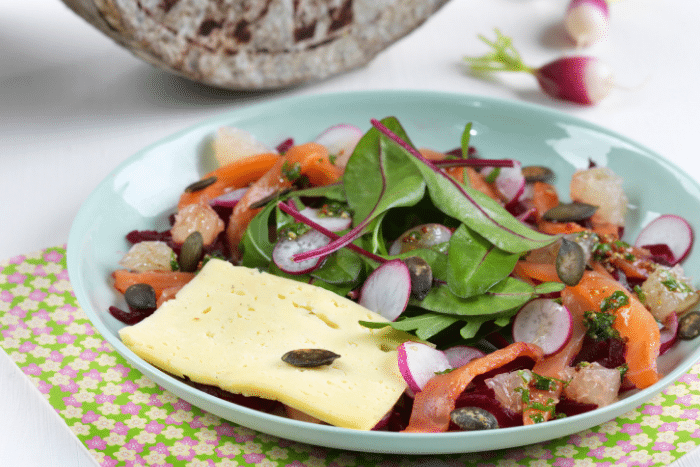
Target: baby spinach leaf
x,y
257,248
426,325
376,179
549,287
506,295
342,267
474,264
475,209
377,176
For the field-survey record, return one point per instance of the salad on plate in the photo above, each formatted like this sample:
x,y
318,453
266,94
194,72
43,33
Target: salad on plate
x,y
513,307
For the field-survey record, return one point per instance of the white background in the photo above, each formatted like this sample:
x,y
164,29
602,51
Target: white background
x,y
73,105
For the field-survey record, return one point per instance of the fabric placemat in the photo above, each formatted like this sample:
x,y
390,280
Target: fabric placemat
x,y
125,419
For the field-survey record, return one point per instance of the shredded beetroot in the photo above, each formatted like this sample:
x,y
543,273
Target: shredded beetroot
x,y
609,353
571,407
255,403
661,253
475,163
136,236
130,317
285,145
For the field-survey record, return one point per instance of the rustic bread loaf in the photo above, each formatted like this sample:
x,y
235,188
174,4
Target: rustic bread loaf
x,y
255,44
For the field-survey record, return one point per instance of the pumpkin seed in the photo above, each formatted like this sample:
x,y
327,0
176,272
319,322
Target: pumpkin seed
x,y
309,358
689,325
200,184
473,418
140,297
570,212
570,262
421,276
191,252
537,173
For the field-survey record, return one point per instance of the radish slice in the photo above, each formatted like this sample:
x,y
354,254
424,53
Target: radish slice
x,y
669,333
286,248
334,224
510,181
545,323
419,362
460,355
228,200
387,289
340,140
670,230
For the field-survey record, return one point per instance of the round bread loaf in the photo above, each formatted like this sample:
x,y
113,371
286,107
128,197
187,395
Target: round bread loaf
x,y
255,44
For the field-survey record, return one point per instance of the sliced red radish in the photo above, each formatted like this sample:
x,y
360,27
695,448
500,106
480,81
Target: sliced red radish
x,y
460,355
510,181
334,224
340,140
545,323
387,289
286,248
418,363
669,333
228,200
421,236
670,230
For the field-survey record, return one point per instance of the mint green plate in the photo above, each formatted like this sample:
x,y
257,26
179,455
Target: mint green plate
x,y
142,192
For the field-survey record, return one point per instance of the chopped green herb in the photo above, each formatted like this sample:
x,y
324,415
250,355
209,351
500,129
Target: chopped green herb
x,y
599,325
524,394
333,209
623,370
332,158
174,263
674,285
490,178
640,293
543,383
537,417
291,171
617,300
293,231
601,251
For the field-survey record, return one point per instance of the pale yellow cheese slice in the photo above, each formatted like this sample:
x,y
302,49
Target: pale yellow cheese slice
x,y
230,326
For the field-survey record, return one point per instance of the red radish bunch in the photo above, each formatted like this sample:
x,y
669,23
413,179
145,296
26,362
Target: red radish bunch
x,y
580,79
586,21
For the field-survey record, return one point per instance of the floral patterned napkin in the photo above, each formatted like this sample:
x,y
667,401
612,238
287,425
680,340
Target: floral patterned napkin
x,y
126,419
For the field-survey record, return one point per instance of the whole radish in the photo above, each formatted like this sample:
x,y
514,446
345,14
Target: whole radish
x,y
587,21
580,79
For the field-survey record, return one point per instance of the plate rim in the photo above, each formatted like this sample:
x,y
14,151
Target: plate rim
x,y
378,441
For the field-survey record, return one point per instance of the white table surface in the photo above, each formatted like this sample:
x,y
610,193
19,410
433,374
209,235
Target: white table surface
x,y
73,105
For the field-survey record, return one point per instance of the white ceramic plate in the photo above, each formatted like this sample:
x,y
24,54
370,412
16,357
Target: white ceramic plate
x,y
141,193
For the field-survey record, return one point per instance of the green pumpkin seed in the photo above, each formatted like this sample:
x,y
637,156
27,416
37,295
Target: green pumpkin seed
x,y
571,212
140,297
689,325
537,173
421,276
309,358
191,252
200,184
473,418
570,262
